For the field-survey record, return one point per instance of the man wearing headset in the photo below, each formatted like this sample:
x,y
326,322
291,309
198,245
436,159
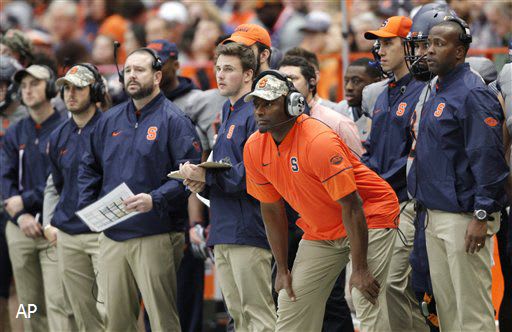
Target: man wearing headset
x,y
297,158
458,176
81,89
303,77
24,171
387,149
237,232
138,143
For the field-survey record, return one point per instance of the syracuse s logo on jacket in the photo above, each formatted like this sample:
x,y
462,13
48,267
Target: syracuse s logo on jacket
x,y
401,109
151,136
439,110
230,131
295,164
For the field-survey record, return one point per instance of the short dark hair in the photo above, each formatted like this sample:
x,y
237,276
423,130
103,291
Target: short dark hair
x,y
153,55
369,66
262,47
303,53
306,69
244,53
461,31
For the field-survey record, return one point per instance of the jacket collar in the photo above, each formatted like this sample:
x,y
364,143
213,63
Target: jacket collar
x,y
452,76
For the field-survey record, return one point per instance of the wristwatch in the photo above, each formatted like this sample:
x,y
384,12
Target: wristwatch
x,y
481,215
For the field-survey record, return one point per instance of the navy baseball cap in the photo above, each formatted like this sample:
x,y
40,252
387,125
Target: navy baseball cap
x,y
164,48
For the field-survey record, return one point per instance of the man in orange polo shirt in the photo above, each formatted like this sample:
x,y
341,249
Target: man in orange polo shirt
x,y
301,160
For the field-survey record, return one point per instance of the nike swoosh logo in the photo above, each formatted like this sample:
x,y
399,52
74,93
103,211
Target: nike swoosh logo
x,y
116,133
263,164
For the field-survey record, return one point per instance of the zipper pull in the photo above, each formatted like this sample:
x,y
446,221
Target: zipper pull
x,y
136,125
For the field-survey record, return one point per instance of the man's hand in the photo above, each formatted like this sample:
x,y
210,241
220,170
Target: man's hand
x,y
366,284
140,203
475,236
194,186
193,172
50,233
284,281
13,205
29,226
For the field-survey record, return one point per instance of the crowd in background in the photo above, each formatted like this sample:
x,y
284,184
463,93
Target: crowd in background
x,y
67,31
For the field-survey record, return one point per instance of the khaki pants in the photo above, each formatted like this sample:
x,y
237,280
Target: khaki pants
x,y
380,248
317,266
35,269
78,265
461,281
403,309
148,264
245,280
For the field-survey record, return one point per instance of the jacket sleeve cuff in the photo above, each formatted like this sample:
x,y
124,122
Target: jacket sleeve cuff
x,y
158,202
27,200
17,215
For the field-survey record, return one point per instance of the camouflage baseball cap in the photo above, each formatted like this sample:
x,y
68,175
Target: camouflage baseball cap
x,y
18,42
78,76
269,87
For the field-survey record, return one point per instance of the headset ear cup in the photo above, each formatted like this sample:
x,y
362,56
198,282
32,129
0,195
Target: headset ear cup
x,y
296,104
20,96
51,91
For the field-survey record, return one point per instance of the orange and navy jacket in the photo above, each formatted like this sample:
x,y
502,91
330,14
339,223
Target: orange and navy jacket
x,y
65,149
235,215
140,151
25,164
460,164
390,140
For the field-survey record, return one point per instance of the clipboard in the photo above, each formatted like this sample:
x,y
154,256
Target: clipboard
x,y
219,165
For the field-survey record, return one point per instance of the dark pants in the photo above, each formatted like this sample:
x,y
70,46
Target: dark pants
x,y
190,292
5,263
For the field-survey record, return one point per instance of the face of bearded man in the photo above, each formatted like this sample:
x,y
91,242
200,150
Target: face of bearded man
x,y
139,76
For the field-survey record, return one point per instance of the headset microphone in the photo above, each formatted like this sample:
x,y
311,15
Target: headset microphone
x,y
121,75
418,60
264,130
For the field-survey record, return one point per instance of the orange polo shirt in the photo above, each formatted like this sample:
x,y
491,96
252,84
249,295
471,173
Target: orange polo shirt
x,y
311,169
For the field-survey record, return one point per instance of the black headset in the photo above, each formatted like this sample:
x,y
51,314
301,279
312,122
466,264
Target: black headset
x,y
156,64
295,102
51,89
465,37
98,88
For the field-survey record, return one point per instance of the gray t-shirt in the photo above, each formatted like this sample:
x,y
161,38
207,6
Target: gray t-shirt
x,y
505,84
202,107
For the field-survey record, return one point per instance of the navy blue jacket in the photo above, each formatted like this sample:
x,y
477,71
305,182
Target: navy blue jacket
x,y
185,85
390,141
66,148
141,152
460,164
235,215
25,145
